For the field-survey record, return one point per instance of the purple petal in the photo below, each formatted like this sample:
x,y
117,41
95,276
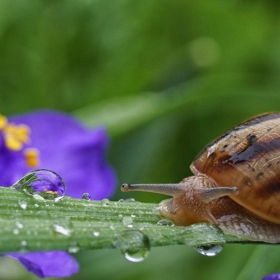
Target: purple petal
x,y
74,152
48,264
273,276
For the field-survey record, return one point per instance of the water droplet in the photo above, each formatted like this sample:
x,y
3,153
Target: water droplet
x,y
165,222
141,226
129,200
209,250
140,213
105,202
74,247
86,196
134,244
38,197
127,221
96,233
23,246
121,200
36,205
22,203
63,226
15,231
41,184
18,224
42,214
112,226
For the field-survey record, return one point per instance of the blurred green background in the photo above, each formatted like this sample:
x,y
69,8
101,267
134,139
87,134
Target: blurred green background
x,y
165,77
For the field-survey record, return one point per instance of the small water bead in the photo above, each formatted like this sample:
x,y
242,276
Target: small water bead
x,y
22,203
209,250
74,247
129,200
127,221
112,226
42,214
141,226
23,246
18,224
38,197
140,213
96,233
63,226
105,202
134,245
41,184
86,196
165,222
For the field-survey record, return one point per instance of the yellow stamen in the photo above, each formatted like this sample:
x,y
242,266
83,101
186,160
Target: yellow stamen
x,y
51,192
3,121
22,133
15,137
31,157
12,143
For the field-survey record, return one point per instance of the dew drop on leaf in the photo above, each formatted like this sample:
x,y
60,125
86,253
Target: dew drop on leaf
x,y
133,244
165,222
129,200
86,196
22,203
112,226
23,246
127,221
105,202
74,247
19,224
42,184
63,226
140,213
209,250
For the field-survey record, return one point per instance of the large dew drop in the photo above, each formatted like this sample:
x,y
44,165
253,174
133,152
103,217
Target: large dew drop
x,y
209,250
134,245
42,184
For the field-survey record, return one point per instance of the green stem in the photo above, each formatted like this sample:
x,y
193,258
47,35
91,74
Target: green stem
x,y
72,224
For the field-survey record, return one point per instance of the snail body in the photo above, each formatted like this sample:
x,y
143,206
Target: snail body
x,y
236,183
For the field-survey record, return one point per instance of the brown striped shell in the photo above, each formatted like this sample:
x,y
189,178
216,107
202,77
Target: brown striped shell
x,y
236,184
248,157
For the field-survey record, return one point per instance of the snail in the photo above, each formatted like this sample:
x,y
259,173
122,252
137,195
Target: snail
x,y
236,183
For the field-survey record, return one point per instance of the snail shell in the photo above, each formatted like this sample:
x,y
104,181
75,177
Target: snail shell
x,y
236,184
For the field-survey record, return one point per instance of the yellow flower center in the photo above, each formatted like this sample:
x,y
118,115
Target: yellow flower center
x,y
31,157
50,192
15,137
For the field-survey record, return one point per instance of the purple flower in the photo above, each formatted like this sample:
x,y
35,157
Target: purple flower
x,y
55,141
273,276
69,149
48,264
